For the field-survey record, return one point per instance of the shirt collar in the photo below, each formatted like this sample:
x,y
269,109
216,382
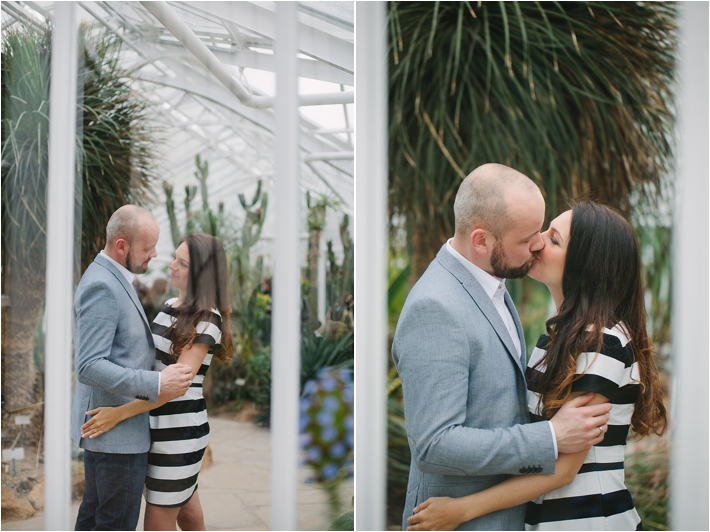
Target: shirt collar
x,y
491,285
130,277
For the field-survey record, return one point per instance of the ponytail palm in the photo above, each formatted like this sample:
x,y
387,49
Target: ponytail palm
x,y
576,95
114,167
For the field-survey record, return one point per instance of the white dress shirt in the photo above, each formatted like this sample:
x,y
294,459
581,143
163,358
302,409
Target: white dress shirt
x,y
495,289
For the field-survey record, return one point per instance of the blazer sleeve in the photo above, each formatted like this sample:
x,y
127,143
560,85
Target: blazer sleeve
x,y
96,319
433,357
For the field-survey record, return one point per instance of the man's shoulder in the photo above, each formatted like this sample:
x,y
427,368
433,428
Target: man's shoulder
x,y
98,278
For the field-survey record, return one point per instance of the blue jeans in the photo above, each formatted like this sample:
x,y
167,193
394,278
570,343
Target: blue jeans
x,y
112,491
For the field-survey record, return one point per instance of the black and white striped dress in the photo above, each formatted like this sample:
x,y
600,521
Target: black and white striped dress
x,y
597,499
179,430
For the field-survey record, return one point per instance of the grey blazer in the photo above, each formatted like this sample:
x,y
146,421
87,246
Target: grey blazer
x,y
464,394
113,355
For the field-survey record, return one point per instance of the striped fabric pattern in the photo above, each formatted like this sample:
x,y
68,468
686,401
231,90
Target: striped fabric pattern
x,y
179,430
597,499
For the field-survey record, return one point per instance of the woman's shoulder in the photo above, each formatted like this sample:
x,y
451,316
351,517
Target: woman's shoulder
x,y
618,331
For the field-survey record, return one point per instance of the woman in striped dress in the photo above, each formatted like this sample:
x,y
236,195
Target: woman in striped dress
x,y
597,343
189,330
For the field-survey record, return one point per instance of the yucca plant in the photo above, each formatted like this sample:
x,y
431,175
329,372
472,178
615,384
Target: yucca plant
x,y
576,95
114,167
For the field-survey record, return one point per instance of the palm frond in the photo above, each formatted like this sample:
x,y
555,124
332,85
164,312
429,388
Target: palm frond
x,y
577,95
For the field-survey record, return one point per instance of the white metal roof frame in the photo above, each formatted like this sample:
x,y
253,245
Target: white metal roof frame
x,y
202,74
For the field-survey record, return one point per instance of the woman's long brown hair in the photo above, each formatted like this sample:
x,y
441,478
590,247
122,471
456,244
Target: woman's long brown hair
x,y
207,288
602,286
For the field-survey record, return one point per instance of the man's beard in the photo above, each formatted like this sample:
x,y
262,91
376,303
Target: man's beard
x,y
138,268
501,267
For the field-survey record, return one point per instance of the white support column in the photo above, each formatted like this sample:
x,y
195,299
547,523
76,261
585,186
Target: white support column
x,y
689,450
371,265
286,338
60,265
322,265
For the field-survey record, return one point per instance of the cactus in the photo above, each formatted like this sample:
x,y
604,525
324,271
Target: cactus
x,y
190,193
251,231
206,220
170,205
316,223
339,281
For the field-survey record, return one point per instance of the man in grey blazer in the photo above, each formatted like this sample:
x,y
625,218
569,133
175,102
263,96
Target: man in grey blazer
x,y
114,353
460,352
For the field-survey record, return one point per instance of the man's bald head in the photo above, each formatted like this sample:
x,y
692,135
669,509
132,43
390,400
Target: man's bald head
x,y
126,223
484,198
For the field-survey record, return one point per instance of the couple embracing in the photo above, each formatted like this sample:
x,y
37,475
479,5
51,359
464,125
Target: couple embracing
x,y
499,443
138,409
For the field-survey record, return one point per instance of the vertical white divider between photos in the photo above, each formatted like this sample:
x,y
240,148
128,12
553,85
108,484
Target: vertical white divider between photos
x,y
370,265
60,269
689,428
285,336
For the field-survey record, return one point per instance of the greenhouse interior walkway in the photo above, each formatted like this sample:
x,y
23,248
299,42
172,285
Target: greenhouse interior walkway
x,y
235,488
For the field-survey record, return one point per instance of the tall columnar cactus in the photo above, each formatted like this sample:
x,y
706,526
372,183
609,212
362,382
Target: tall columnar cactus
x,y
170,206
205,220
316,223
251,230
339,281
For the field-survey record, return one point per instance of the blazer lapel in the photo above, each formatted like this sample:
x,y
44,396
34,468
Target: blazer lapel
x,y
479,296
519,328
126,285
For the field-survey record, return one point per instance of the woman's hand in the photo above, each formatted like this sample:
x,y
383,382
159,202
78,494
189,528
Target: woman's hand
x,y
436,513
104,419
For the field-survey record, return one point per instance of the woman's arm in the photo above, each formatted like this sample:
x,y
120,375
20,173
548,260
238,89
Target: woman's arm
x,y
446,513
106,417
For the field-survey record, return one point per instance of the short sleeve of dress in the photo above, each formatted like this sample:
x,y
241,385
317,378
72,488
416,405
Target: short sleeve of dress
x,y
608,371
209,332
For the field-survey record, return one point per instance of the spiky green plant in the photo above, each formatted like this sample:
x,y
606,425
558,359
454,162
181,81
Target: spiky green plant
x,y
114,167
577,95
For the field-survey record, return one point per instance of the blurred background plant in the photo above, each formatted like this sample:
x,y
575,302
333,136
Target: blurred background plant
x,y
327,430
646,468
114,166
576,95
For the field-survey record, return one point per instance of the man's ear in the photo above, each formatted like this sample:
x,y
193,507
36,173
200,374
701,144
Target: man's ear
x,y
481,241
121,247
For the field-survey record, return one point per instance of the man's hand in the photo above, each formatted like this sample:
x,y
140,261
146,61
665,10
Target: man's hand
x,y
577,423
175,379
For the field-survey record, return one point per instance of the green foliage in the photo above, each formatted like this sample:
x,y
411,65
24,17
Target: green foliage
x,y
577,95
647,479
318,353
113,142
344,522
